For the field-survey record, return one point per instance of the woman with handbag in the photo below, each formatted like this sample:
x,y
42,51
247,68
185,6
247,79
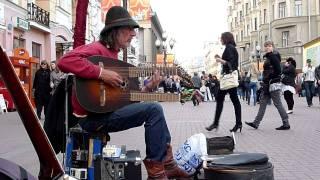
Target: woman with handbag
x,y
288,81
229,63
271,87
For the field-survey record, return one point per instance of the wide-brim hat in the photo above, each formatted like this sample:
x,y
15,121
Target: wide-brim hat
x,y
118,16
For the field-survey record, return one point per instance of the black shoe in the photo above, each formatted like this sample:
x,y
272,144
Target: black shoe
x,y
283,127
252,125
236,127
211,127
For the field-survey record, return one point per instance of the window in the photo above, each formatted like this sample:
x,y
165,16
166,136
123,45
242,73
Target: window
x,y
247,8
248,29
265,38
272,12
255,24
254,3
282,9
240,16
241,37
285,38
236,21
264,16
36,48
298,7
19,43
65,4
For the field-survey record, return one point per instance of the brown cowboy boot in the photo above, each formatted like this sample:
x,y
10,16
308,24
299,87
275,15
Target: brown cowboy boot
x,y
155,170
171,167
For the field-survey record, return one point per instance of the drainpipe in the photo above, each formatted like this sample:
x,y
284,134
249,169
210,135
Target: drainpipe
x,y
269,6
309,20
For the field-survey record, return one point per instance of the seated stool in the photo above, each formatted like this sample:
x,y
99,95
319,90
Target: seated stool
x,y
82,148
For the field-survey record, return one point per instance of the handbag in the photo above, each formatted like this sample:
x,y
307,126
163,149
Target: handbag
x,y
275,86
229,81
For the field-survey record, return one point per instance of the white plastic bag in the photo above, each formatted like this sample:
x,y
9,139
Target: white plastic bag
x,y
188,156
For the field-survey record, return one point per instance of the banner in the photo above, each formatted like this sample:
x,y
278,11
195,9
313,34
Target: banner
x,y
311,50
160,59
170,59
106,5
140,11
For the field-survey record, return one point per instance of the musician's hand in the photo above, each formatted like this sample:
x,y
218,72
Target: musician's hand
x,y
153,83
110,77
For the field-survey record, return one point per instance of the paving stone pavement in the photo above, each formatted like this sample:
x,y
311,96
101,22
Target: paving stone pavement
x,y
294,153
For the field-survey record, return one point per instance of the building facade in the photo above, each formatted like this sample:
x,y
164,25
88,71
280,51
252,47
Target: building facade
x,y
288,23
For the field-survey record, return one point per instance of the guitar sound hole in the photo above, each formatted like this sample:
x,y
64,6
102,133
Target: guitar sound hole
x,y
124,85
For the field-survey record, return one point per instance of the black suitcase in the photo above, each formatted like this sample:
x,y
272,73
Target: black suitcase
x,y
239,166
220,145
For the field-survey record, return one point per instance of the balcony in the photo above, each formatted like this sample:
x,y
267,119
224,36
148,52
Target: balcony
x,y
38,15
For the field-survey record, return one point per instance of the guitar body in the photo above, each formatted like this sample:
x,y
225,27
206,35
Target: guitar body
x,y
98,97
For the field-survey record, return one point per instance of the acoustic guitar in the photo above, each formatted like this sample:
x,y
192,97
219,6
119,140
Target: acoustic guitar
x,y
96,96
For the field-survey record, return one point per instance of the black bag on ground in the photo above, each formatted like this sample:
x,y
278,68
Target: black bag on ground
x,y
240,166
220,145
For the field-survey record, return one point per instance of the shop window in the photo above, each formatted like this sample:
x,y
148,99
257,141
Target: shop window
x,y
36,49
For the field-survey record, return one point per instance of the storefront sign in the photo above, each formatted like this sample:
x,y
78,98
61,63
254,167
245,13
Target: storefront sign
x,y
23,24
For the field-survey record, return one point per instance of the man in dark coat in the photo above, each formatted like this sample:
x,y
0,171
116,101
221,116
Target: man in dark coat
x,y
41,87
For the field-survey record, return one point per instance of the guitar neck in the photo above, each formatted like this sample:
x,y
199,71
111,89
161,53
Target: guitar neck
x,y
149,70
167,97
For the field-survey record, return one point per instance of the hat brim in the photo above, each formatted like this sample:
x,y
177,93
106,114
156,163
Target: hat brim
x,y
127,23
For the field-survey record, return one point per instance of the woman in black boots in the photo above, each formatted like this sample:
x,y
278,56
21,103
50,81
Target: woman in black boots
x,y
229,60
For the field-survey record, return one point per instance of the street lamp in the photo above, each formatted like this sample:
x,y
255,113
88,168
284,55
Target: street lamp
x,y
258,55
158,44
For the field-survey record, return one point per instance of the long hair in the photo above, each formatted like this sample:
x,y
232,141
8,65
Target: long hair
x,y
292,61
227,38
108,38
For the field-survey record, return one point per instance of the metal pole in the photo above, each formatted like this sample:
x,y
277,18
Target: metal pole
x,y
125,51
309,20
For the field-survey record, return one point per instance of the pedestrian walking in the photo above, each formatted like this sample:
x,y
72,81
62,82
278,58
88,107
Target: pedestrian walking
x,y
308,81
271,78
317,76
196,81
41,88
55,76
229,60
253,74
288,81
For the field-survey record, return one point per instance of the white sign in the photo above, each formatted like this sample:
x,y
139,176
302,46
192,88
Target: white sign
x,y
2,19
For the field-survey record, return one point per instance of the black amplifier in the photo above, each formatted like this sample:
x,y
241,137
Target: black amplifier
x,y
116,168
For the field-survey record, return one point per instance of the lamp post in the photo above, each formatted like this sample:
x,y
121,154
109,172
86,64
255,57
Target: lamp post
x,y
158,44
258,56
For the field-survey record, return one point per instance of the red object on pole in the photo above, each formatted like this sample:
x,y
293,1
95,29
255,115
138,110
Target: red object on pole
x,y
79,36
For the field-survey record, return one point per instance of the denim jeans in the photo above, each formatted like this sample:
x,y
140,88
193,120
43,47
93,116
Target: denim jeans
x,y
253,86
309,87
157,134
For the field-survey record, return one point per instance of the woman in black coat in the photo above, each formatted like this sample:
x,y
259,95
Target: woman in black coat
x,y
288,80
229,63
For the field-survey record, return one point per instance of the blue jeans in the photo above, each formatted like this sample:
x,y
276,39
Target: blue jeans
x,y
309,87
253,86
157,134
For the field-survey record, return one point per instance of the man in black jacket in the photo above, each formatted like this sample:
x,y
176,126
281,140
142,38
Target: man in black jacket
x,y
271,78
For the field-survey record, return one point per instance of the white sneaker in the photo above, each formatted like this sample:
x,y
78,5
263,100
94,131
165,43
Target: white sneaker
x,y
289,111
